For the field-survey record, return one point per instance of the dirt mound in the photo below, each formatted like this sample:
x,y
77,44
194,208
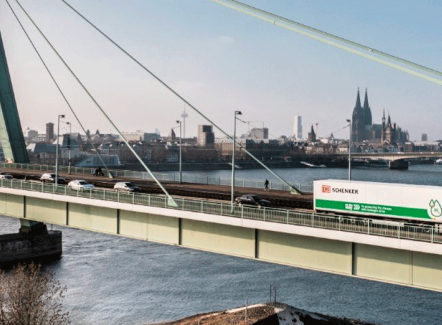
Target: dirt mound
x,y
265,314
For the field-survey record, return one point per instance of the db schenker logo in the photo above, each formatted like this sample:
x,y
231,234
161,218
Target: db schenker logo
x,y
326,189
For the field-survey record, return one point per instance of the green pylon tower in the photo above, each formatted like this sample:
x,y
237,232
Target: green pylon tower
x,y
11,134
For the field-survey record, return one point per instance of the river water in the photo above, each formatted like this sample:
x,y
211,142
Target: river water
x,y
115,280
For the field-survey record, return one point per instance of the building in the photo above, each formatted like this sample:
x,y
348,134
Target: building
x,y
258,133
172,136
31,134
297,127
312,135
363,129
424,137
133,136
49,132
206,137
147,137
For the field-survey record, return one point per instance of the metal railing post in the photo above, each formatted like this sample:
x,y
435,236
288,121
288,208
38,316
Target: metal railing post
x,y
432,234
133,198
202,207
339,221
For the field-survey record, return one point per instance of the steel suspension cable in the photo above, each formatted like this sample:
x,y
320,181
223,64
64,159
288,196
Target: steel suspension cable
x,y
294,190
58,87
171,201
333,40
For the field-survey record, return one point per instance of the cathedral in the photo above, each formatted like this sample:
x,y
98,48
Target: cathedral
x,y
364,130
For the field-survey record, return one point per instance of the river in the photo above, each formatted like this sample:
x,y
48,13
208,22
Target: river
x,y
115,280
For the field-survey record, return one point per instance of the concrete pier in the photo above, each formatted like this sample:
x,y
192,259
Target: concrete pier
x,y
37,244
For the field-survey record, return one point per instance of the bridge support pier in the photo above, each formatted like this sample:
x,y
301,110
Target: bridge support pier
x,y
33,242
398,164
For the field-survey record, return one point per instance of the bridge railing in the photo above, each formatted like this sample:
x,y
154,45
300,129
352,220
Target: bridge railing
x,y
196,179
401,230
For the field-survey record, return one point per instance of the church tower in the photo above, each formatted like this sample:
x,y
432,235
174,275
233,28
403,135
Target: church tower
x,y
367,110
358,121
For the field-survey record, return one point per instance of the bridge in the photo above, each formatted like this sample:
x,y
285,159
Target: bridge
x,y
385,251
394,160
371,249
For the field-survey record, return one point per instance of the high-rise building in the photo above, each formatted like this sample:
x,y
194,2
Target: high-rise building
x,y
424,137
297,127
206,137
49,132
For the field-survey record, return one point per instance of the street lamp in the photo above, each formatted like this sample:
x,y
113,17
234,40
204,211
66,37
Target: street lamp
x,y
56,149
349,151
181,153
233,155
69,146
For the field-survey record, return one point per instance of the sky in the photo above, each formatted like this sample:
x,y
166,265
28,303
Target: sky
x,y
221,61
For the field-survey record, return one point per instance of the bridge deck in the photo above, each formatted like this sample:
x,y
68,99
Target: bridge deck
x,y
280,199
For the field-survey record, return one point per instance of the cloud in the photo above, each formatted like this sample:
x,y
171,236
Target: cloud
x,y
226,39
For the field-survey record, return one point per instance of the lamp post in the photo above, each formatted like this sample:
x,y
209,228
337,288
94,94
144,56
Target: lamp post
x,y
56,149
181,154
69,146
349,151
233,155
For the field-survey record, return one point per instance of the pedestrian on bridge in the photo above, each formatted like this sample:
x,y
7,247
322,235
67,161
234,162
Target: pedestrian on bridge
x,y
266,185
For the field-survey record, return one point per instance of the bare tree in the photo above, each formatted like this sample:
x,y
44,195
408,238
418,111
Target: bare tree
x,y
30,296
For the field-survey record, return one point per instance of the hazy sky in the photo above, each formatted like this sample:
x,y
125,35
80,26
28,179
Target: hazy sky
x,y
221,60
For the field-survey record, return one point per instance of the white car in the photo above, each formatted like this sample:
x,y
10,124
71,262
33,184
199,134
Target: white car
x,y
50,177
80,185
5,176
126,186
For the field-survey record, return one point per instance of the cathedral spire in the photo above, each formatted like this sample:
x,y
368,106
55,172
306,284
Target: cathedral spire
x,y
358,101
367,110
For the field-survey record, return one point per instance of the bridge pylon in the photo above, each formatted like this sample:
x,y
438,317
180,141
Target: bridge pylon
x,y
11,134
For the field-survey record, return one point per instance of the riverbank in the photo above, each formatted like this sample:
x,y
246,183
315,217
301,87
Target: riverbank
x,y
226,165
265,314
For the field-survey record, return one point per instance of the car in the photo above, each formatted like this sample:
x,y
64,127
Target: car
x,y
50,177
252,199
126,186
5,176
80,185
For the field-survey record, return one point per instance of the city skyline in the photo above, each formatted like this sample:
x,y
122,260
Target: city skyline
x,y
222,61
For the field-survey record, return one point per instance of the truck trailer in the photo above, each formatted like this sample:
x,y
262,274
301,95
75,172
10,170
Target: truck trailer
x,y
416,202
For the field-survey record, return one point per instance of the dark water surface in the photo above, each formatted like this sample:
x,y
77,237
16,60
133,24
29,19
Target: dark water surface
x,y
115,280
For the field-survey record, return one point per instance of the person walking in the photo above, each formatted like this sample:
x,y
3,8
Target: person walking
x,y
266,185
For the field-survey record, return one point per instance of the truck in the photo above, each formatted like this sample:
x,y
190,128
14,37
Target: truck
x,y
413,202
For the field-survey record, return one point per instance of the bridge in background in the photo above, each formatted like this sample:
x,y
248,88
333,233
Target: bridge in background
x,y
394,160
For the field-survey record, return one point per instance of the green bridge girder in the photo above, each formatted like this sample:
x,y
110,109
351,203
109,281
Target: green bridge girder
x,y
11,134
